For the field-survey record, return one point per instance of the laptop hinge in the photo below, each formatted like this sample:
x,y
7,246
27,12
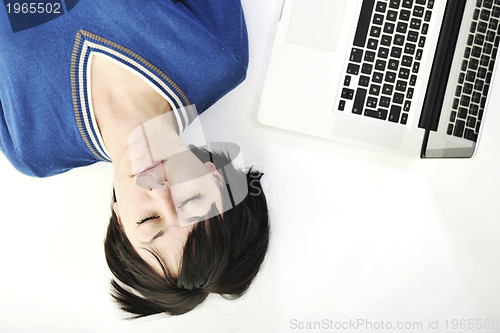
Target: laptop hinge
x,y
445,50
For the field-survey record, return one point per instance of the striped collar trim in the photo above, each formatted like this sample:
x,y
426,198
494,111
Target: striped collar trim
x,y
86,44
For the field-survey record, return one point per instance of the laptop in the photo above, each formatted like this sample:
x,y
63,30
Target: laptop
x,y
408,76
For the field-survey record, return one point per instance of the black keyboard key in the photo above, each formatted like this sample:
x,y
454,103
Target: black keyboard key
x,y
473,27
371,102
399,40
407,3
458,91
471,122
470,135
356,55
385,101
475,16
413,80
458,131
415,23
369,56
341,105
428,15
407,106
353,69
482,27
378,19
396,52
401,85
465,63
465,100
420,2
479,85
394,4
359,101
393,64
418,55
425,28
485,60
380,65
380,6
467,52
386,40
377,77
410,48
389,28
488,3
418,11
402,27
395,113
476,51
387,89
479,40
366,68
449,131
375,31
375,89
378,114
404,73
363,23
372,43
485,14
456,101
383,52
474,109
390,77
453,116
404,118
347,80
404,15
347,93
406,61
412,36
409,93
421,41
462,113
364,81
416,67
398,98
392,16
468,88
470,76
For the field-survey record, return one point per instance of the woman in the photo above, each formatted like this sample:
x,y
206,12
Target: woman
x,y
74,88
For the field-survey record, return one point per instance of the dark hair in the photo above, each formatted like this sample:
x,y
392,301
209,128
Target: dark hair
x,y
221,255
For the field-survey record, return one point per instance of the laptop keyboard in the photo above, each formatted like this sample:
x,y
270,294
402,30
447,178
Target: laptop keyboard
x,y
385,59
476,71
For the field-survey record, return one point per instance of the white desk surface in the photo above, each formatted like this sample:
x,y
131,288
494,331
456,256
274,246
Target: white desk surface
x,y
356,234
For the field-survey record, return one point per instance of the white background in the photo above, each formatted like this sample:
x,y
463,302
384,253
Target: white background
x,y
356,234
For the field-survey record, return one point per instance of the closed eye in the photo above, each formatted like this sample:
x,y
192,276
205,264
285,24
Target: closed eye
x,y
188,200
149,218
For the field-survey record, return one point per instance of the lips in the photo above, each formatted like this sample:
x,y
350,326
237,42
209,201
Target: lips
x,y
150,167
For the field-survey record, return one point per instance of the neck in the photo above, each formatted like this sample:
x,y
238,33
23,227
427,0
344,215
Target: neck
x,y
122,101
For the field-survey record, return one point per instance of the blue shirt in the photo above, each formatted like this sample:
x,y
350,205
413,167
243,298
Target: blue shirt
x,y
194,52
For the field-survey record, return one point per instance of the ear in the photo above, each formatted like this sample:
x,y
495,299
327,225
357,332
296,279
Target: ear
x,y
117,212
215,172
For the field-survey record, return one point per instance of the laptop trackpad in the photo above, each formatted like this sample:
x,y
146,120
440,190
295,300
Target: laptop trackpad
x,y
316,23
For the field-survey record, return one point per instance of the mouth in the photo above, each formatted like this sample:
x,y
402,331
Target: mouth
x,y
150,167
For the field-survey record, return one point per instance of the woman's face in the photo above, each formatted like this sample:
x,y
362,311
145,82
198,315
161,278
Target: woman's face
x,y
159,205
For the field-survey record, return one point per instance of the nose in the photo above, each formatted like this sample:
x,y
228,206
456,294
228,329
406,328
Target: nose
x,y
153,179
